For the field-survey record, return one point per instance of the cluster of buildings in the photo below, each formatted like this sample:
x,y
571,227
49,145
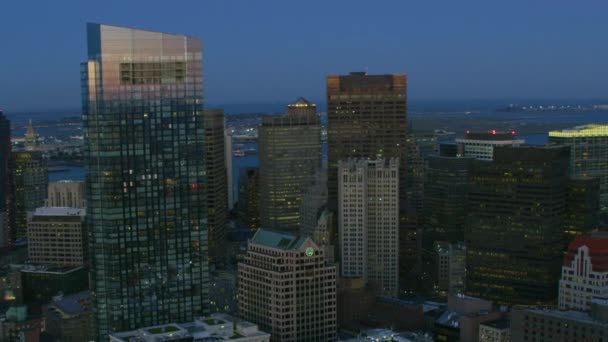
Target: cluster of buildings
x,y
484,238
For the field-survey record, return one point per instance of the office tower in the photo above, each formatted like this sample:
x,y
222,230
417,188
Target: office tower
x,y
314,201
31,138
415,170
31,179
366,118
480,145
544,324
217,183
445,199
286,286
290,154
450,267
584,272
71,317
582,206
368,209
249,198
144,149
229,175
588,154
56,235
514,231
66,193
6,184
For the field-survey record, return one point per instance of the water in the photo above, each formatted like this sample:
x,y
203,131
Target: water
x,y
70,173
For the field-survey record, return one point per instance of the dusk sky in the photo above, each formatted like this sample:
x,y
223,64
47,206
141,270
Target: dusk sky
x,y
270,51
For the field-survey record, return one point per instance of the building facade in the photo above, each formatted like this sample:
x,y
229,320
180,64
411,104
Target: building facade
x,y
31,179
56,236
480,145
514,231
7,234
144,133
248,207
286,286
561,325
70,318
588,154
585,272
495,331
66,193
314,201
366,118
217,183
290,154
368,209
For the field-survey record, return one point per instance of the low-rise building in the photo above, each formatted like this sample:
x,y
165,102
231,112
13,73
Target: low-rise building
x,y
70,318
561,325
40,283
217,327
495,331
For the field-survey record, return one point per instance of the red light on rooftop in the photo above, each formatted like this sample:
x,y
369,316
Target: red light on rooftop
x,y
468,131
493,131
513,132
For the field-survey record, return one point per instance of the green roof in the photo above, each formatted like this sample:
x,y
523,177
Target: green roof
x,y
276,239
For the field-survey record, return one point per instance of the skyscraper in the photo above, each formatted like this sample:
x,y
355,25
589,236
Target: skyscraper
x,y
249,198
66,193
366,118
31,179
217,183
144,154
6,184
368,209
290,154
514,229
287,287
31,138
229,175
588,154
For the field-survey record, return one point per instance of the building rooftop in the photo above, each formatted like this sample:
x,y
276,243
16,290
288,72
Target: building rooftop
x,y
301,102
277,239
498,324
74,303
578,316
591,130
60,211
40,268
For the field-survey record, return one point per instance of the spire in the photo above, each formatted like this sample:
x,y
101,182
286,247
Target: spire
x,y
31,138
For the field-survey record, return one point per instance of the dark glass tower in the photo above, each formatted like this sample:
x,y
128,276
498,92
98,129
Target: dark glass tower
x,y
6,234
217,182
31,180
366,118
514,230
290,155
144,152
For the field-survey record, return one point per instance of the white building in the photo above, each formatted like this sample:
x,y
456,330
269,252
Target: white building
x,y
66,193
585,272
481,145
368,220
217,327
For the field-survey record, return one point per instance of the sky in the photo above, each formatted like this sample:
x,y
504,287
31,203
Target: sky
x,y
271,51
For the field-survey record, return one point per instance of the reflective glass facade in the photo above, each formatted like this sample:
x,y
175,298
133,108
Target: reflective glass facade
x,y
144,152
30,174
6,237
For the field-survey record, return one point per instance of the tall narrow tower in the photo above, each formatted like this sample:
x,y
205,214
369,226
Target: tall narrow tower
x,y
144,154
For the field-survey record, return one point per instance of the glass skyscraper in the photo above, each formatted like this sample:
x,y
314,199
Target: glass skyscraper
x,y
6,235
144,152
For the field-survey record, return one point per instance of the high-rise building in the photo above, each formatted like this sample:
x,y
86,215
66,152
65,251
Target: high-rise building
x,y
588,154
368,209
445,199
582,206
480,145
314,201
585,272
144,153
366,118
55,235
7,235
217,183
249,198
514,230
66,193
286,286
31,179
229,175
290,154
450,267
31,138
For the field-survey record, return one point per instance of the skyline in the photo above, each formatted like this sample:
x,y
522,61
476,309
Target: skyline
x,y
273,52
